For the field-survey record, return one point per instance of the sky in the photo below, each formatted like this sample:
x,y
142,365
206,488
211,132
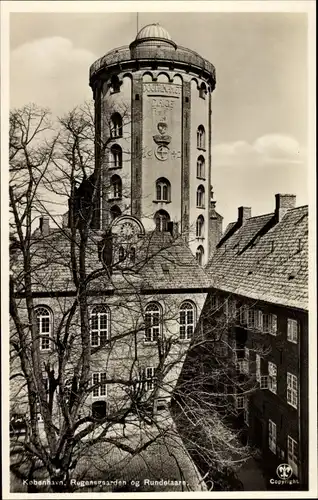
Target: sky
x,y
259,104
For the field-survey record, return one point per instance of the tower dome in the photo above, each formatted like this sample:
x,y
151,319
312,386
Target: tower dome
x,y
153,31
153,34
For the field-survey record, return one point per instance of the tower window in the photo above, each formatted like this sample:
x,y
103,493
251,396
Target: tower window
x,y
202,90
201,137
163,190
116,156
200,197
137,97
44,327
201,167
200,227
115,84
115,212
116,186
199,255
161,219
116,125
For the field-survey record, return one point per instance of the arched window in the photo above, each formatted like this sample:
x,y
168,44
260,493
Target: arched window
x,y
200,227
200,197
116,156
199,255
44,327
152,322
99,322
202,90
186,320
161,219
115,83
163,189
115,211
201,137
116,125
116,187
200,167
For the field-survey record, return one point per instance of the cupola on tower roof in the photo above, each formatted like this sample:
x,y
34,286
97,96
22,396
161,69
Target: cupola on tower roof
x,y
153,33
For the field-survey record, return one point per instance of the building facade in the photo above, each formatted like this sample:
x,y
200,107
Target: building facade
x,y
259,278
153,108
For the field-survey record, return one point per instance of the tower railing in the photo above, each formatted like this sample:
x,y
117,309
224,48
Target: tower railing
x,y
154,52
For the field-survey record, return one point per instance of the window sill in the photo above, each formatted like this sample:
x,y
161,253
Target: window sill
x,y
200,238
161,201
201,178
292,341
201,149
114,199
290,404
184,341
115,167
203,207
150,342
114,137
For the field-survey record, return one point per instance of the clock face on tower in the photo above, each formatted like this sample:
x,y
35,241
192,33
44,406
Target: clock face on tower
x,y
127,229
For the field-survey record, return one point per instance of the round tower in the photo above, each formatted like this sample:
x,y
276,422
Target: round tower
x,y
153,128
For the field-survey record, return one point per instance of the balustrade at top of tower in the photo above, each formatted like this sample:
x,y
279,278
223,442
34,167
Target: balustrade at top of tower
x,y
156,51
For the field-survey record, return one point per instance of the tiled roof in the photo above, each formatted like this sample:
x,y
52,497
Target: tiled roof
x,y
162,263
265,259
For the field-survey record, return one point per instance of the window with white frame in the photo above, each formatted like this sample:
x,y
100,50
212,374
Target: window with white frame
x,y
149,378
254,318
116,185
44,327
99,321
272,377
99,384
152,322
269,323
292,330
186,320
272,436
292,454
292,390
258,367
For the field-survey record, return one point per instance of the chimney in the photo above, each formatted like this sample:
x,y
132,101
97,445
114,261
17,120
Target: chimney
x,y
244,213
44,225
283,202
173,228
